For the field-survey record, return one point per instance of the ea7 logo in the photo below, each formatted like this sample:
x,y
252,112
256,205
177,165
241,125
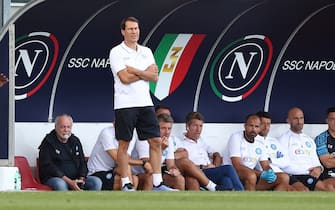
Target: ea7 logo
x,y
240,67
36,55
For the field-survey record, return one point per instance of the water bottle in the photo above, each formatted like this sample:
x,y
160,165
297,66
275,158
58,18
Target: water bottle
x,y
17,180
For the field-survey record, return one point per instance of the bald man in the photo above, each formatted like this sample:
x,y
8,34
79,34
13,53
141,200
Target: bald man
x,y
304,162
245,153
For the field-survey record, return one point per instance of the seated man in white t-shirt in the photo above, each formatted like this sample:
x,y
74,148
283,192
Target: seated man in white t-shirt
x,y
195,179
171,174
304,162
245,152
201,154
277,154
103,157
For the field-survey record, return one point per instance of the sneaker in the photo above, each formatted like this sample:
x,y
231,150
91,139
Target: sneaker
x,y
128,187
222,188
163,187
219,188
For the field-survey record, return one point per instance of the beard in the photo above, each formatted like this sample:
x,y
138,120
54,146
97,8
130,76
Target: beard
x,y
66,136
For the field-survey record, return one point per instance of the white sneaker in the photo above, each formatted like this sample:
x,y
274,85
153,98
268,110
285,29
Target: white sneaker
x,y
163,187
128,187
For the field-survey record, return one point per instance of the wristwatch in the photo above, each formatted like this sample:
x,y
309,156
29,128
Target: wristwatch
x,y
144,162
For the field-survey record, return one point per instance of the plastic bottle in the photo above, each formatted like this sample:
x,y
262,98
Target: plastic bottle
x,y
17,180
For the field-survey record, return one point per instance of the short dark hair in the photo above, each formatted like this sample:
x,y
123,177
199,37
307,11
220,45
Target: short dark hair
x,y
162,106
124,20
263,114
193,116
251,116
165,118
330,109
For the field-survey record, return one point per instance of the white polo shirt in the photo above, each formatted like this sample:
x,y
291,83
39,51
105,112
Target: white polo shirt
x,y
198,151
249,153
99,159
141,150
301,150
135,94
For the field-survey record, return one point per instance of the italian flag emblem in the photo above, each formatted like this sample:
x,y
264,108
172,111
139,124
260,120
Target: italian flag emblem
x,y
174,56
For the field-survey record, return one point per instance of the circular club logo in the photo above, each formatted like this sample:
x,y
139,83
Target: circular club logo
x,y
240,67
36,55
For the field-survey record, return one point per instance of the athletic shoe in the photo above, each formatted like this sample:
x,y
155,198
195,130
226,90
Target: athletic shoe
x,y
221,188
163,187
128,187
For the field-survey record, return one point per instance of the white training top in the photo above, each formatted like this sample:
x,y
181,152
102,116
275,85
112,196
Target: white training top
x,y
99,159
142,150
301,150
198,151
250,153
276,152
135,94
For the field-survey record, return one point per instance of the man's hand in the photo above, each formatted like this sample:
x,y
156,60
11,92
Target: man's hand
x,y
269,176
180,153
153,68
173,172
209,166
217,159
315,171
74,184
148,168
165,142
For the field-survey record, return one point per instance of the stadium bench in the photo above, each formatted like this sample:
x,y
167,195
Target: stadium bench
x,y
28,182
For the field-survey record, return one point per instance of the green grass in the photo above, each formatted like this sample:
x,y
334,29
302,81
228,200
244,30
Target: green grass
x,y
167,200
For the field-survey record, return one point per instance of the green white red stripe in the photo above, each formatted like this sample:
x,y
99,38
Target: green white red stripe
x,y
174,56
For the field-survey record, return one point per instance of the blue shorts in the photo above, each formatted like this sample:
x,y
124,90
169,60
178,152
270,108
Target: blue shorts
x,y
142,118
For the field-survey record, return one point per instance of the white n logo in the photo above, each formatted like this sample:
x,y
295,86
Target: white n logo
x,y
28,64
243,66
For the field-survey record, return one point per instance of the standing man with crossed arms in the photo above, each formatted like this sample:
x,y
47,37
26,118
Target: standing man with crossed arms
x,y
133,68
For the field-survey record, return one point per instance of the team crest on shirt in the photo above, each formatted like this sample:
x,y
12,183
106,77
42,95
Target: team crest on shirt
x,y
308,144
273,146
164,153
258,151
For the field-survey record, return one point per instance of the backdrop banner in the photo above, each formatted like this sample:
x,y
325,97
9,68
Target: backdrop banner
x,y
224,58
4,99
